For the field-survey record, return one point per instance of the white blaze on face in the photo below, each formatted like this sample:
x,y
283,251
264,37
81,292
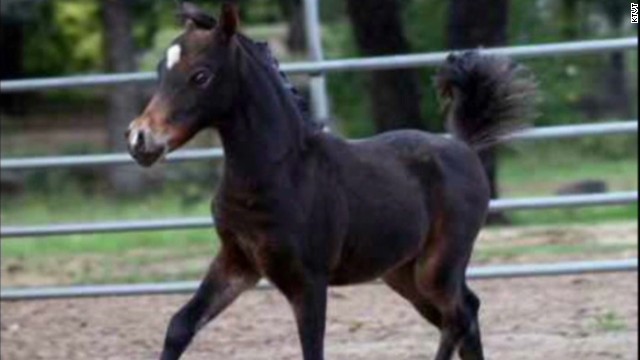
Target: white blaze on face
x,y
173,55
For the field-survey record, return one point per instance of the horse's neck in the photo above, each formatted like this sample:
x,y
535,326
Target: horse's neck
x,y
266,132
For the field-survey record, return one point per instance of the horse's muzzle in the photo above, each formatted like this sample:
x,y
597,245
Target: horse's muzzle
x,y
144,147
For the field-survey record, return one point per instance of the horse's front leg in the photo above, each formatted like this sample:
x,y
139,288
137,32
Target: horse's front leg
x,y
307,294
309,305
228,276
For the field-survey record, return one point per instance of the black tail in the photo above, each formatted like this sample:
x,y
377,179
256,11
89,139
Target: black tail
x,y
487,97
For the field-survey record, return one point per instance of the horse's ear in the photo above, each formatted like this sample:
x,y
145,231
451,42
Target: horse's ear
x,y
229,19
190,25
194,18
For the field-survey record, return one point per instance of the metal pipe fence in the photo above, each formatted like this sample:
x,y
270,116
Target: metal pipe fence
x,y
318,82
543,133
316,68
437,58
187,287
357,64
539,203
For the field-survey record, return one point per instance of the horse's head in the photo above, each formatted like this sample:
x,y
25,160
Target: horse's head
x,y
196,85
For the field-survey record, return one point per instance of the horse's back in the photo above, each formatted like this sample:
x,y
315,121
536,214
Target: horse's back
x,y
428,155
448,155
413,162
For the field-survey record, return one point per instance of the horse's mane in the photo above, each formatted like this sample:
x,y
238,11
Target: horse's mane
x,y
299,100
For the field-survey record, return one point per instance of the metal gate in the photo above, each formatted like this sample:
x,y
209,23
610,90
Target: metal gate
x,y
316,68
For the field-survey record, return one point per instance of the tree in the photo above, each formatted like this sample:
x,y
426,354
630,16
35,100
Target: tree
x,y
16,16
569,19
395,94
293,11
124,101
11,60
614,99
475,23
616,92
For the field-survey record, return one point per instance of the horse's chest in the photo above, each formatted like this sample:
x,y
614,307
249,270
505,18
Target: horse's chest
x,y
245,212
249,221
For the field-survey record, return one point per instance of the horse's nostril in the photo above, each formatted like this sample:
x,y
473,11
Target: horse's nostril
x,y
138,143
139,139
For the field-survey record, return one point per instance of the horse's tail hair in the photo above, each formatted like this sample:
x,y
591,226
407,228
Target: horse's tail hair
x,y
486,97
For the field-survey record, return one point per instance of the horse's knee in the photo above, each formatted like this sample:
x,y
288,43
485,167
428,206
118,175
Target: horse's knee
x,y
439,287
458,308
473,301
465,311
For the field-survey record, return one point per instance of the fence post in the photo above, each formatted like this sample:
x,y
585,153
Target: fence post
x,y
319,97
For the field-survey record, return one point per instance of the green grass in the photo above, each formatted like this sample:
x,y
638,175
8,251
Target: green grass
x,y
110,244
113,250
72,205
541,168
609,322
588,215
538,169
112,258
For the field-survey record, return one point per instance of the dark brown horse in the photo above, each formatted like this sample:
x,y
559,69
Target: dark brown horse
x,y
306,209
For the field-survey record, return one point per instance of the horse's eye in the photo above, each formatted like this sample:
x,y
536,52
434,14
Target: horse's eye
x,y
201,77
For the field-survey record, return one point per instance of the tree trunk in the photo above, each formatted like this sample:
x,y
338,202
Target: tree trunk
x,y
124,101
617,95
570,19
11,62
293,10
395,94
619,100
475,23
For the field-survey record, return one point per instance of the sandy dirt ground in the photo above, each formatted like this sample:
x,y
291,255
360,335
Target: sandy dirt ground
x,y
575,317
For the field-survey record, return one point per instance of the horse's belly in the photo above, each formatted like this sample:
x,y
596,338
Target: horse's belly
x,y
368,259
355,272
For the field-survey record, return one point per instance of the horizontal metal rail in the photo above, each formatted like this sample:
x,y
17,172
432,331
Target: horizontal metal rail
x,y
567,201
45,162
317,67
106,227
437,58
540,203
577,130
550,132
186,287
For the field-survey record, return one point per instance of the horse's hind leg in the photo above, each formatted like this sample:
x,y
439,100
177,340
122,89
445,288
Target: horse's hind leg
x,y
440,278
403,281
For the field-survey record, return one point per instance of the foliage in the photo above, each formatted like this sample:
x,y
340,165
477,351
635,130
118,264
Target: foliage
x,y
418,15
572,88
63,37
